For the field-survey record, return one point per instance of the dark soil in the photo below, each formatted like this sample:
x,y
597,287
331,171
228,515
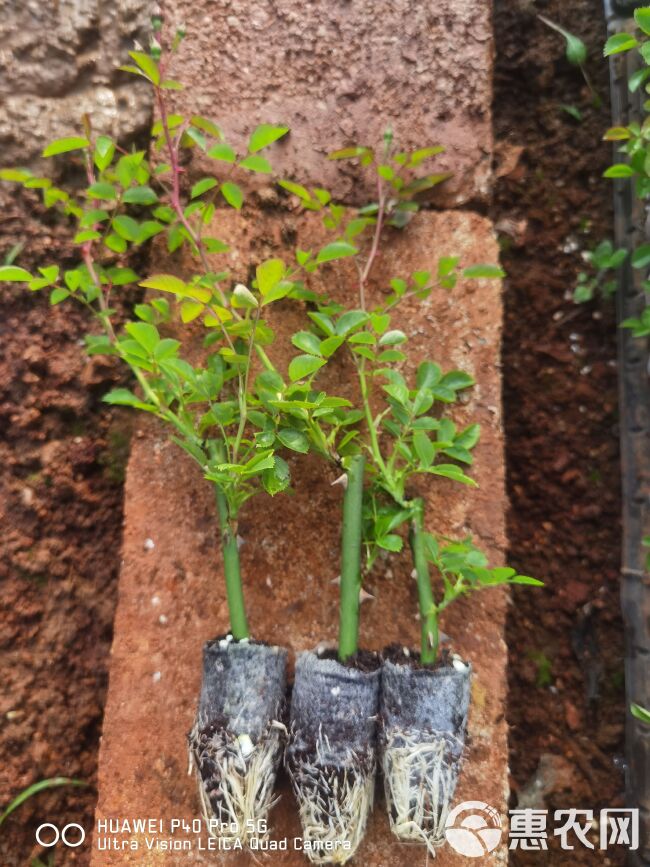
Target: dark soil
x,y
566,651
362,660
400,655
63,455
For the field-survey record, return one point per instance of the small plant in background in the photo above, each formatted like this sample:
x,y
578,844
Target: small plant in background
x,y
34,789
576,54
604,260
632,145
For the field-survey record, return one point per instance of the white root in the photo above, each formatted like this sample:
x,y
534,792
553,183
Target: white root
x,y
334,802
420,774
235,779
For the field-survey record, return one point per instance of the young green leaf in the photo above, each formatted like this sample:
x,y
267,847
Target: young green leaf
x,y
304,365
335,250
619,42
64,145
256,163
264,135
491,272
13,274
232,194
642,18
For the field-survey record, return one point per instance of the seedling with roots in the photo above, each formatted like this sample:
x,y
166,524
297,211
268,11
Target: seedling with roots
x,y
395,440
225,409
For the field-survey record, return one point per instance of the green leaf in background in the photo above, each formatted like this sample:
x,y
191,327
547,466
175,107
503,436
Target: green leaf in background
x,y
64,145
336,250
13,274
264,135
490,272
619,170
642,18
304,365
294,440
640,713
147,64
35,788
232,194
619,42
256,163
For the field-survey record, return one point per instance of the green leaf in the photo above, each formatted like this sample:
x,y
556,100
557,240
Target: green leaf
x,y
104,152
140,196
642,18
57,295
619,42
203,186
276,478
34,789
641,256
232,194
484,271
428,375
391,542
13,274
256,164
451,471
304,365
101,190
619,170
146,335
350,320
294,440
190,310
268,274
126,227
392,338
264,135
243,297
457,379
424,448
223,152
124,397
527,580
147,64
296,189
336,250
166,283
640,713
115,243
63,145
307,342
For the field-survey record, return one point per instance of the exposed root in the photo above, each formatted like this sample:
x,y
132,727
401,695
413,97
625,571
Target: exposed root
x,y
235,779
420,774
334,801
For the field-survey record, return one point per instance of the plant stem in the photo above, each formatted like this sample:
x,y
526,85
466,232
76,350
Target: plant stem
x,y
430,638
351,560
231,565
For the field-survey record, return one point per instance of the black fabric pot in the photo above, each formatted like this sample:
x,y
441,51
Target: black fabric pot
x,y
236,743
422,734
331,754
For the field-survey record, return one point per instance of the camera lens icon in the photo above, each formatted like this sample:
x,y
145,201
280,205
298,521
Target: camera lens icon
x,y
473,829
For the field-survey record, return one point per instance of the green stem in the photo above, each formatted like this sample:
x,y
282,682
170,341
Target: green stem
x,y
351,560
231,567
430,637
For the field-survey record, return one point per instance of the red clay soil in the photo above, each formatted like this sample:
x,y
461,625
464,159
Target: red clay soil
x,y
62,455
566,652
